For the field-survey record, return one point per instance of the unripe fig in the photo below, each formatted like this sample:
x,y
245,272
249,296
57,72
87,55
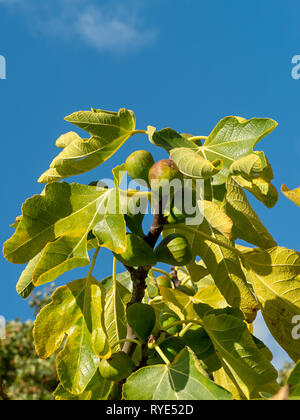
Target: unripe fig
x,y
168,318
117,368
137,253
164,281
176,216
174,250
138,165
152,288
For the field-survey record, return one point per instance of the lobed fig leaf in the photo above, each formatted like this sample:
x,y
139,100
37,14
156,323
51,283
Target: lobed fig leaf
x,y
108,130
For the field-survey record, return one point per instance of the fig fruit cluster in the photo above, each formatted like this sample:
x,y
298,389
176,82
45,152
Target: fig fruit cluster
x,y
140,165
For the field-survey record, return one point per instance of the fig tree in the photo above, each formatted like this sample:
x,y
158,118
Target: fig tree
x,y
138,165
117,368
174,250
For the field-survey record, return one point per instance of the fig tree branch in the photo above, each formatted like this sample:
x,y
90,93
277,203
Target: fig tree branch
x,y
139,275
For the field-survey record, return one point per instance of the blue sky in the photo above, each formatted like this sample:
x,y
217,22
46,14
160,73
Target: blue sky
x,y
179,64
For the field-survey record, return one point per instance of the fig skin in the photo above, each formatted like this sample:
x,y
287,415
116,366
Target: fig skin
x,y
165,171
174,250
164,281
168,318
117,368
138,165
137,253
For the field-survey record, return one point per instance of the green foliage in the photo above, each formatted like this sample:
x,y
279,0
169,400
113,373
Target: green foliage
x,y
23,375
133,336
142,319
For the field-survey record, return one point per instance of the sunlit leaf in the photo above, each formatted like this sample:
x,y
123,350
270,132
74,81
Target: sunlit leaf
x,y
76,310
293,195
63,230
184,379
221,262
98,389
294,383
109,131
247,225
249,369
193,165
115,313
233,138
251,166
274,275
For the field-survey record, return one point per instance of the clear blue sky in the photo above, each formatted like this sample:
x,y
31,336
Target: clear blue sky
x,y
179,64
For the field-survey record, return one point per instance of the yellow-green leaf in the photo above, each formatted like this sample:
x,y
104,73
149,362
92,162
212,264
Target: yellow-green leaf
x,y
193,165
274,275
293,195
247,225
76,311
61,232
115,313
246,366
109,131
222,263
97,390
183,379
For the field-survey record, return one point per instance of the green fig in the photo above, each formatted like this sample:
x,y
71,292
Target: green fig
x,y
138,165
174,250
117,368
138,253
152,288
142,319
168,318
175,216
164,281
